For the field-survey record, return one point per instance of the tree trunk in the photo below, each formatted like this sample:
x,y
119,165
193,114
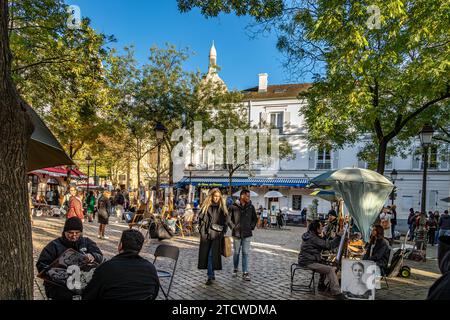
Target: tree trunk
x,y
382,148
16,248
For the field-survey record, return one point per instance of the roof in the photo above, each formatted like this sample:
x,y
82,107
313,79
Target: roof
x,y
276,91
254,182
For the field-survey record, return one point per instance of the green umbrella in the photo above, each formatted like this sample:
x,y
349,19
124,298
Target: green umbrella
x,y
364,193
328,195
44,150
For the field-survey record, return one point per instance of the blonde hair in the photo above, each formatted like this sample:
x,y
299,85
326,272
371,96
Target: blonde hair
x,y
208,201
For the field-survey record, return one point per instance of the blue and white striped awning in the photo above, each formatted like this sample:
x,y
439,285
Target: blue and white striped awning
x,y
238,182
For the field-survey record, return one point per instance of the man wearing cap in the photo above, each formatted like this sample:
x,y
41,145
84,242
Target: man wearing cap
x,y
71,238
331,227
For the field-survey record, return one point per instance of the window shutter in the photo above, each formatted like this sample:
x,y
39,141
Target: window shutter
x,y
262,120
361,164
287,121
312,160
335,159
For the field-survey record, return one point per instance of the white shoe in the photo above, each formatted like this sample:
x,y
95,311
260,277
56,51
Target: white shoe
x,y
99,236
105,237
235,273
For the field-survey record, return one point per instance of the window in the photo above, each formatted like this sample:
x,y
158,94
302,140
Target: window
x,y
276,120
323,159
296,202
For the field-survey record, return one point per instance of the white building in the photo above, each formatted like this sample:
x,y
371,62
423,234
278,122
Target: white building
x,y
279,106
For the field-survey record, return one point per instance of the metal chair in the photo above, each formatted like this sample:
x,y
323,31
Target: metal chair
x,y
310,288
170,252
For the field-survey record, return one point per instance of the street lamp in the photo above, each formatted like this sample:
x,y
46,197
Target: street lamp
x,y
426,134
191,167
394,175
160,131
88,159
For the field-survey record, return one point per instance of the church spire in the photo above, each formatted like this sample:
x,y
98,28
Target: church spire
x,y
212,58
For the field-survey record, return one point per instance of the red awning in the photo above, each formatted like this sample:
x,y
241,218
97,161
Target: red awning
x,y
61,172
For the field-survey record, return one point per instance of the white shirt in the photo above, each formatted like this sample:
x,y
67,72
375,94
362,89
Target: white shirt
x,y
388,231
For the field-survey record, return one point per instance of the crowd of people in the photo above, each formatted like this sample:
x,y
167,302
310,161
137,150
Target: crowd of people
x,y
113,280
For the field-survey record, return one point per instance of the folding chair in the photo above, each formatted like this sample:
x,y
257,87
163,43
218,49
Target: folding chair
x,y
170,252
138,216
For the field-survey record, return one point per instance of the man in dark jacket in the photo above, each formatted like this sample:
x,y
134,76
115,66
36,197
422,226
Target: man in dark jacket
x,y
71,239
377,249
440,290
444,224
310,254
243,216
127,276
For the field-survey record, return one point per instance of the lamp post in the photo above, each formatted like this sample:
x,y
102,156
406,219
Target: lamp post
x,y
160,131
394,175
88,159
190,168
426,134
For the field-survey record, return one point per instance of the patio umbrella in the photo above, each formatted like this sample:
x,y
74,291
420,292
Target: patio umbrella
x,y
364,193
273,194
44,150
328,195
446,199
252,194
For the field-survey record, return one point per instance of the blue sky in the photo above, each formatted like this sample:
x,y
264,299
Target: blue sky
x,y
144,23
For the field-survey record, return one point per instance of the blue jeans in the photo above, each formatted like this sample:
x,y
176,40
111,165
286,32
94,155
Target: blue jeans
x,y
444,232
245,245
210,264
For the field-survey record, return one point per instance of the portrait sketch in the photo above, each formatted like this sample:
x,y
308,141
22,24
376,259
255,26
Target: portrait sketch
x,y
358,279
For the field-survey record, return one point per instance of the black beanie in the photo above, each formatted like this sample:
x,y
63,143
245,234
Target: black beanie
x,y
73,223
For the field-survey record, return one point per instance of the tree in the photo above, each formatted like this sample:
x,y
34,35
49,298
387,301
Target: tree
x,y
59,70
383,83
16,250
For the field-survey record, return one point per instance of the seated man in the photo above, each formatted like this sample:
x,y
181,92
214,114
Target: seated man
x,y
127,276
310,255
71,239
377,249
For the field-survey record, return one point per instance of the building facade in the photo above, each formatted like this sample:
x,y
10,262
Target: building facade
x,y
278,106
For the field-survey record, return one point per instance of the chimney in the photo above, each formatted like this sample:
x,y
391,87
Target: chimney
x,y
262,87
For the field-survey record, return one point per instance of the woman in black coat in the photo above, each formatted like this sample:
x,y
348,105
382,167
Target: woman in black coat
x,y
213,219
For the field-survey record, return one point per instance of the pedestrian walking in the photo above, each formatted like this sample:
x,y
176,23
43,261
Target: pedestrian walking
x,y
104,208
431,224
214,219
90,206
244,219
75,204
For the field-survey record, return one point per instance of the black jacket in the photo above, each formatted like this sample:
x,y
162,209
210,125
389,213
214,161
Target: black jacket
x,y
444,222
440,290
244,219
380,253
127,276
312,247
210,239
53,250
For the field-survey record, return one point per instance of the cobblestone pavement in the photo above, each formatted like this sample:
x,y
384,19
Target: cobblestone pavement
x,y
272,253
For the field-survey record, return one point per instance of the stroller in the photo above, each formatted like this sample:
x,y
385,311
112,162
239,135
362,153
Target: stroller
x,y
397,267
